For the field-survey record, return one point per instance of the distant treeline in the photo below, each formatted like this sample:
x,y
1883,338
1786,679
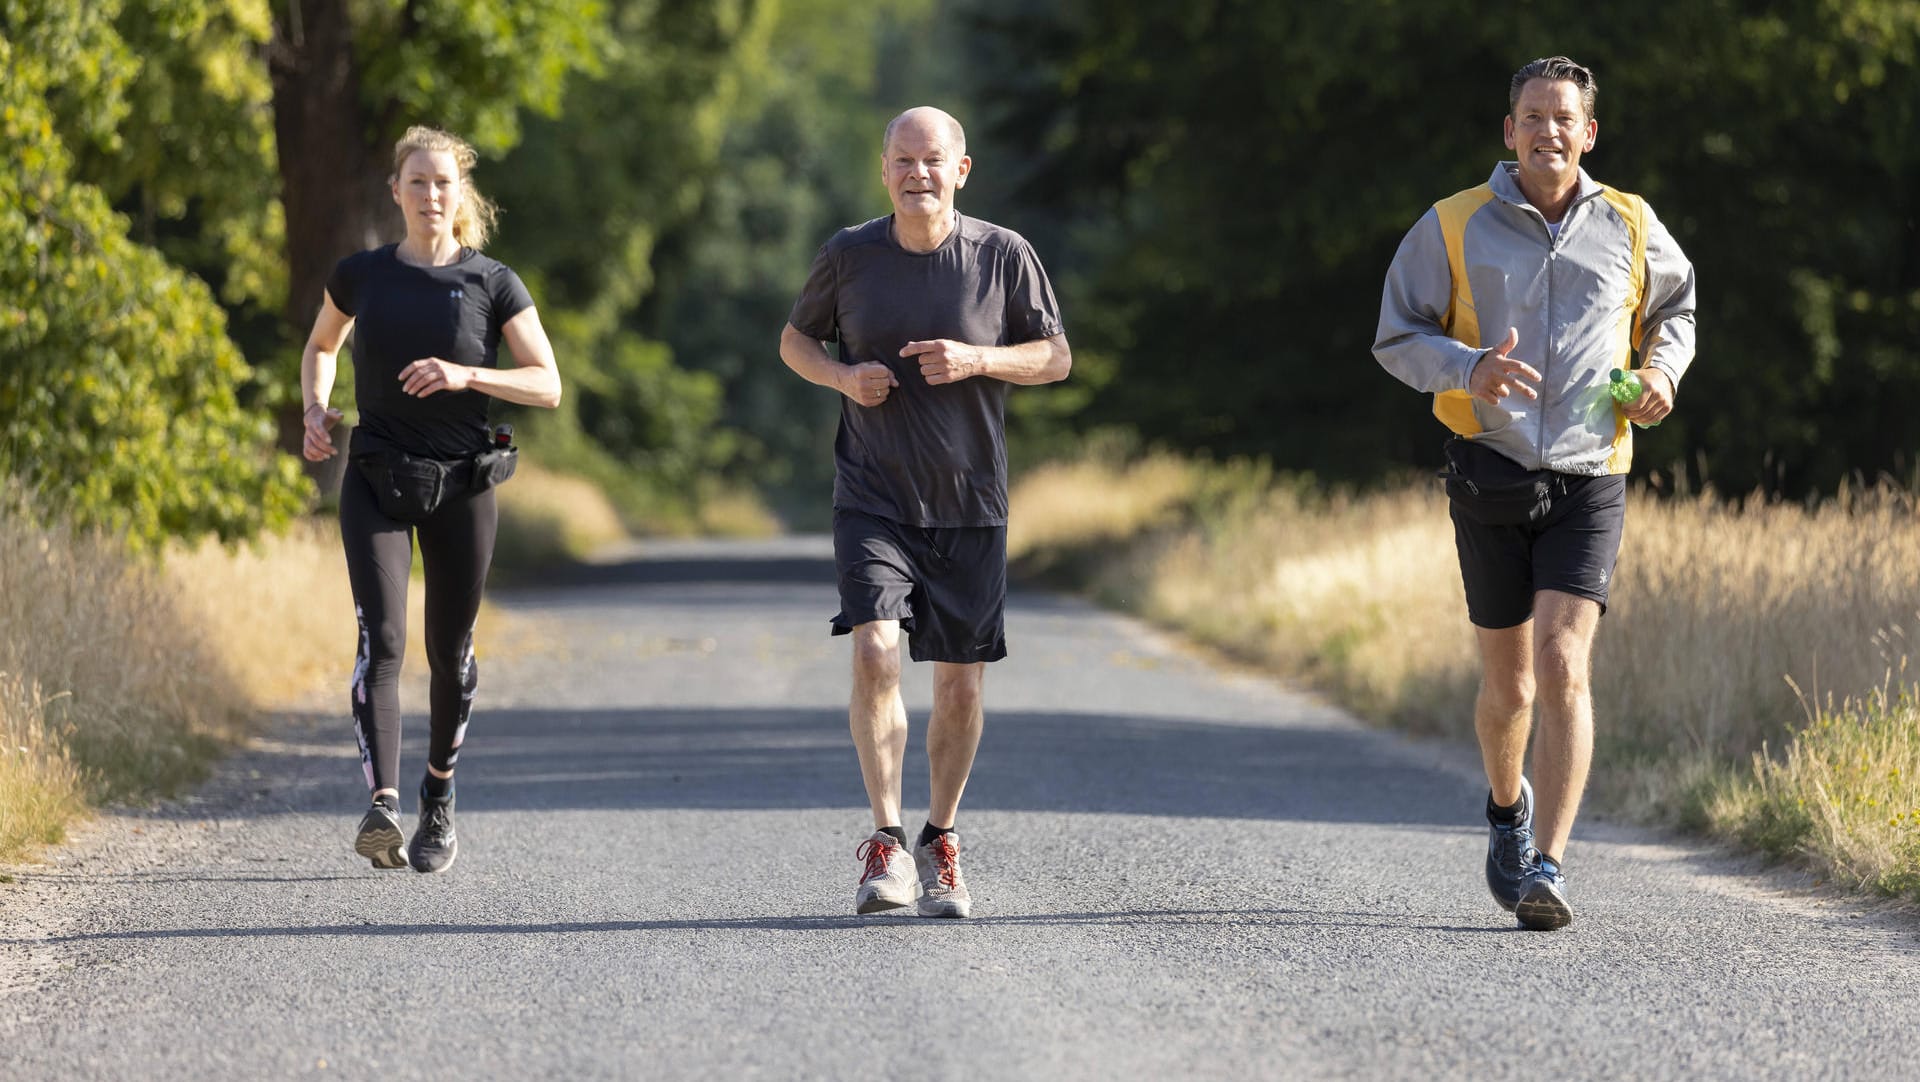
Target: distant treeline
x,y
1217,186
1230,179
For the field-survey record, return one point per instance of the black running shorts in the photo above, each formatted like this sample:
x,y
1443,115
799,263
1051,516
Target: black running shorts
x,y
947,586
1571,549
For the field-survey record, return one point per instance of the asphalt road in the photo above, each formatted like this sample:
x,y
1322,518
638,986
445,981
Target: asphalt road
x,y
1177,873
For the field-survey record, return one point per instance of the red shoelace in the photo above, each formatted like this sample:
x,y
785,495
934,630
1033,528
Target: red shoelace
x,y
947,858
875,854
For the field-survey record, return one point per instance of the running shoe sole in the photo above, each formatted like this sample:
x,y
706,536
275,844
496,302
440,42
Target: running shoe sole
x,y
944,907
879,903
1543,908
383,845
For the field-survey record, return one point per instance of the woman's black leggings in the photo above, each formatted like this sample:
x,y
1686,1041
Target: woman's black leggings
x,y
456,547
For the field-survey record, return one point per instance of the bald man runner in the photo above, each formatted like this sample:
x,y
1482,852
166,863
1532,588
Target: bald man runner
x,y
935,315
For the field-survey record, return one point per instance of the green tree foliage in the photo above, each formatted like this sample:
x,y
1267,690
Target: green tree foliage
x,y
1236,176
348,78
799,159
190,155
587,193
119,398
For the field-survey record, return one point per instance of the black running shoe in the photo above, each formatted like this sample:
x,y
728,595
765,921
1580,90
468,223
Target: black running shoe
x,y
1543,904
434,844
379,838
1509,850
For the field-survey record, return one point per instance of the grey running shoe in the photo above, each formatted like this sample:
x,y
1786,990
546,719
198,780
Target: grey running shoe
x,y
1543,902
1509,846
379,838
943,893
886,875
434,843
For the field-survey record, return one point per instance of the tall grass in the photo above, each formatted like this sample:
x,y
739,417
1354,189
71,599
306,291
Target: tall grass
x,y
121,679
40,788
106,686
1844,795
548,517
1715,606
276,613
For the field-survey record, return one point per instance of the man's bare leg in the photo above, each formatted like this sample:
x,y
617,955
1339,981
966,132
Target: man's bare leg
x,y
878,718
953,736
1564,625
1503,712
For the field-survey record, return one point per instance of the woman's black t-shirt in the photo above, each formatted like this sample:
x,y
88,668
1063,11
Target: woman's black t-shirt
x,y
403,313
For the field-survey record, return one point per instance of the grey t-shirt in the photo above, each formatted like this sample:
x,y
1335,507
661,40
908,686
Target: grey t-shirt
x,y
928,455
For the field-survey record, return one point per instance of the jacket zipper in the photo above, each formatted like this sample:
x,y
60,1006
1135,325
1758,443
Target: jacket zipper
x,y
1546,354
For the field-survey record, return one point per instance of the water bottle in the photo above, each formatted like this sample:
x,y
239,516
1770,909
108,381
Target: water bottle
x,y
1626,387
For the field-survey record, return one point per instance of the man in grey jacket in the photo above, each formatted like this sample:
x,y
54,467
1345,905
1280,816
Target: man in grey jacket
x,y
1513,303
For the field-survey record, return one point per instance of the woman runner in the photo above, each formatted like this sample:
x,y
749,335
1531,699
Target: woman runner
x,y
430,312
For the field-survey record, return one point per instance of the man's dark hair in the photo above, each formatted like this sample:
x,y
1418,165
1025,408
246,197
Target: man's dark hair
x,y
1557,69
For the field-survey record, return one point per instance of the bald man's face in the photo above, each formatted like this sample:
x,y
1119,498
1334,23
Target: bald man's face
x,y
922,169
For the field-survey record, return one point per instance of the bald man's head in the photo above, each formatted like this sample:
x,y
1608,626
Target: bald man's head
x,y
924,163
940,121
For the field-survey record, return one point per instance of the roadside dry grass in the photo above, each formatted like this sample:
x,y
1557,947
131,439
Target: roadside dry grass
x,y
107,686
122,679
1843,795
1716,606
549,518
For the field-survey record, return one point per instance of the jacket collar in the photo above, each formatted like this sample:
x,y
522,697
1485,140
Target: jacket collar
x,y
1507,188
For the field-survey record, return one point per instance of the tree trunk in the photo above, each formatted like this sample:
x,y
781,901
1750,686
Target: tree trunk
x,y
332,169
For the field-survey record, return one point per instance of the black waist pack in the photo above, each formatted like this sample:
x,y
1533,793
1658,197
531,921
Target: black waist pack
x,y
1492,489
410,489
493,467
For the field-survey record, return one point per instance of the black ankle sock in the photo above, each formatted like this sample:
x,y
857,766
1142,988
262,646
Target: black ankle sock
x,y
436,788
898,834
1508,814
930,832
389,802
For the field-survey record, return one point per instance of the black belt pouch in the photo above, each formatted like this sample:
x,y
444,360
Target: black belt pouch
x,y
1491,488
408,489
493,467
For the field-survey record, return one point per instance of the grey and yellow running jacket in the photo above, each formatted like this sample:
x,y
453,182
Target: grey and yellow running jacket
x,y
1612,283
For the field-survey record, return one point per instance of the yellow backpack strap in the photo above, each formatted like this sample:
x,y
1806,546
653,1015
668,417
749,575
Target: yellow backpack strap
x,y
1462,323
1633,211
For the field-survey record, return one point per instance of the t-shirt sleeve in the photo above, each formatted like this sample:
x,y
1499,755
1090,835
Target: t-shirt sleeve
x,y
1032,311
815,314
509,295
343,285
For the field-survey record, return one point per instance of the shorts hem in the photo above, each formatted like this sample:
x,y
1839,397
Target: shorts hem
x,y
996,652
844,625
1598,599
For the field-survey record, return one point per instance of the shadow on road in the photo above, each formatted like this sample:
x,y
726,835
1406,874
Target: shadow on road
x,y
1158,919
700,758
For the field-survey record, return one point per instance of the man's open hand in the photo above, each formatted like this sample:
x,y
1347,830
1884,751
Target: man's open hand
x,y
1497,375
